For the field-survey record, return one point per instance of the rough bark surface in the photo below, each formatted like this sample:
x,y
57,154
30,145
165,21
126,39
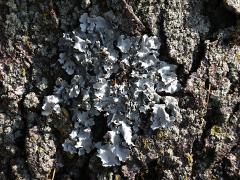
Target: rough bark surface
x,y
202,37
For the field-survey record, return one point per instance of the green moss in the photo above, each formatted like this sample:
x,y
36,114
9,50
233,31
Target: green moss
x,y
146,143
161,135
238,56
217,130
189,158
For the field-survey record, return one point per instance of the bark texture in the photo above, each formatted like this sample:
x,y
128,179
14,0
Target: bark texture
x,y
201,37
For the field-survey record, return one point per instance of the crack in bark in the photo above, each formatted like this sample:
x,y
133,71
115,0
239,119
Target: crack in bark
x,y
198,57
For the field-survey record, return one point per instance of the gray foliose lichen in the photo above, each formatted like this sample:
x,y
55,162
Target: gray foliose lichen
x,y
114,75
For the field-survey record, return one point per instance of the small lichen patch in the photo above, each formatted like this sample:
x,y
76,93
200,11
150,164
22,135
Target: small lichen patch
x,y
31,100
50,105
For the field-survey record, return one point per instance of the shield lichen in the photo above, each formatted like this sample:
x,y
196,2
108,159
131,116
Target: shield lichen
x,y
116,75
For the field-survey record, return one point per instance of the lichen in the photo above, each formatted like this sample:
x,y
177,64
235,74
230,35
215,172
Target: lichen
x,y
31,100
50,104
118,76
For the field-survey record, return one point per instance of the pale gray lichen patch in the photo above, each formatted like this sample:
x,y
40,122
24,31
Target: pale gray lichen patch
x,y
50,105
124,44
115,151
42,84
31,100
233,5
165,114
118,76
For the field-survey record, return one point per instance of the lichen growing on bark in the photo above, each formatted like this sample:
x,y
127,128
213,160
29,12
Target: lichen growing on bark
x,y
120,81
149,43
